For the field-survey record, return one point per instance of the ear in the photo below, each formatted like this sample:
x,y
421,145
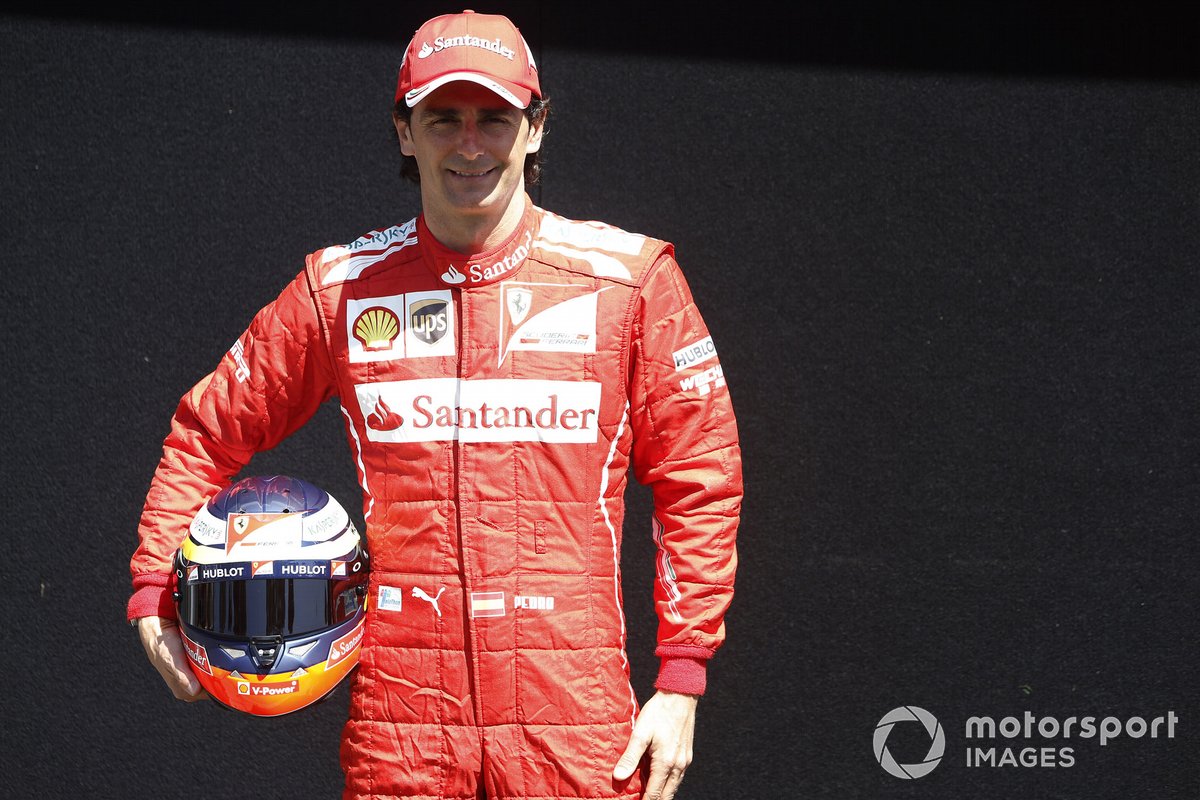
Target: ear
x,y
404,132
535,137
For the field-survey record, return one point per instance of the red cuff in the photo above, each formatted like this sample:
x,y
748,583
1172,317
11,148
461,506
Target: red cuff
x,y
683,675
151,598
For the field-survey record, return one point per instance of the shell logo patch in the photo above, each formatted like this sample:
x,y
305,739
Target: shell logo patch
x,y
377,329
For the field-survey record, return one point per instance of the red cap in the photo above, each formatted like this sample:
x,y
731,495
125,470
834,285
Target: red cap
x,y
484,48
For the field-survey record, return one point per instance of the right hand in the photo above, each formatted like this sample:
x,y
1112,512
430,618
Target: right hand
x,y
164,647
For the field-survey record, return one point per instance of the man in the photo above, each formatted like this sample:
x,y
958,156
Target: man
x,y
498,367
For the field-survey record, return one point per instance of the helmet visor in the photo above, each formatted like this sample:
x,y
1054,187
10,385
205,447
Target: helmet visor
x,y
275,606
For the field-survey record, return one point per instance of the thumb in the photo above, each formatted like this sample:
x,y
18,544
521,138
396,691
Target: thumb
x,y
187,679
630,758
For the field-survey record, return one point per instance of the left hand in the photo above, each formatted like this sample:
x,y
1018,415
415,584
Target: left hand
x,y
664,727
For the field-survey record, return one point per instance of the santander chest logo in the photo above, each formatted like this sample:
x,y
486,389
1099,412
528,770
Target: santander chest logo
x,y
491,410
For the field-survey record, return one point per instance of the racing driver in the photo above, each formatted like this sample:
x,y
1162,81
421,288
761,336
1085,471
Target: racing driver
x,y
499,368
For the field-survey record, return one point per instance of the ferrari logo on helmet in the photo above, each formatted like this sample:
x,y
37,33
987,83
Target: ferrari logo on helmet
x,y
261,529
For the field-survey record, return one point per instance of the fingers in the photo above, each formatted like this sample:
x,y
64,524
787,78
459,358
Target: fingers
x,y
184,687
666,774
664,728
164,647
628,761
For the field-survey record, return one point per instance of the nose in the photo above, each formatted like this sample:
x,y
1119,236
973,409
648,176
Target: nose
x,y
470,144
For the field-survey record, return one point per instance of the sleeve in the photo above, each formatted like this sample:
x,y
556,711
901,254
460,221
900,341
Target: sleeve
x,y
270,383
685,448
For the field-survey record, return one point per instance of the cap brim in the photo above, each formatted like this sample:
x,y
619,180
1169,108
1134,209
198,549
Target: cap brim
x,y
518,96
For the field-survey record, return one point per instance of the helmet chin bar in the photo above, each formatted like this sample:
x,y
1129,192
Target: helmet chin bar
x,y
265,650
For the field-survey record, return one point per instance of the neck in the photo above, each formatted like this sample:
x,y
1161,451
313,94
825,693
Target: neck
x,y
475,233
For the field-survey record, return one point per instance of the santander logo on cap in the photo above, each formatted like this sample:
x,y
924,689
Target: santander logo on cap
x,y
483,48
443,42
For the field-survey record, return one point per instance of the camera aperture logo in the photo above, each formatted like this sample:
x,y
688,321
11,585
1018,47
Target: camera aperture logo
x,y
937,742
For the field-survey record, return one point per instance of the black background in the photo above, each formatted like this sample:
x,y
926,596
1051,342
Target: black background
x,y
948,255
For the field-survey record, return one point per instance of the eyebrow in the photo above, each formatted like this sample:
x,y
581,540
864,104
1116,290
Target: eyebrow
x,y
456,111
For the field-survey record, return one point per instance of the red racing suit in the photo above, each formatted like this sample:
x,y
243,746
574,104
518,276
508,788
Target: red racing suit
x,y
493,404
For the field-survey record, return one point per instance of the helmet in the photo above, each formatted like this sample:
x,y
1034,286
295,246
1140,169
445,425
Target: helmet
x,y
271,592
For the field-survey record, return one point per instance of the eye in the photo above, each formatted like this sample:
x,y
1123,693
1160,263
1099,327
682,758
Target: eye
x,y
438,120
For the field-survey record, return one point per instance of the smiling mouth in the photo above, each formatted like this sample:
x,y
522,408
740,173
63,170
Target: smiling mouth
x,y
463,174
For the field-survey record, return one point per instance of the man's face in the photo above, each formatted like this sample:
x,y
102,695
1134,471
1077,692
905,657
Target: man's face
x,y
470,146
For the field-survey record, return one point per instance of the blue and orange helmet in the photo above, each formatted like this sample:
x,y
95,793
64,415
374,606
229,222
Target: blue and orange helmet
x,y
271,592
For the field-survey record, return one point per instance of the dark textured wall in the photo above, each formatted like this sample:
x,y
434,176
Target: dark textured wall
x,y
949,262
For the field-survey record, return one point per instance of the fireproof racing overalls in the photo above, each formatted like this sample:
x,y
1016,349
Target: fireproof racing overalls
x,y
492,404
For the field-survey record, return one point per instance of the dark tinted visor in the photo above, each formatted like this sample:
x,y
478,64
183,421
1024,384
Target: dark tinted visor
x,y
268,607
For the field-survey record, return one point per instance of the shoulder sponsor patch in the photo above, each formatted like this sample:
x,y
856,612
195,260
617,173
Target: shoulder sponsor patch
x,y
589,235
704,381
347,262
695,353
238,354
590,242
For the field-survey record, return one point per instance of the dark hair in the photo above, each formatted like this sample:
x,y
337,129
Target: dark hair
x,y
536,113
